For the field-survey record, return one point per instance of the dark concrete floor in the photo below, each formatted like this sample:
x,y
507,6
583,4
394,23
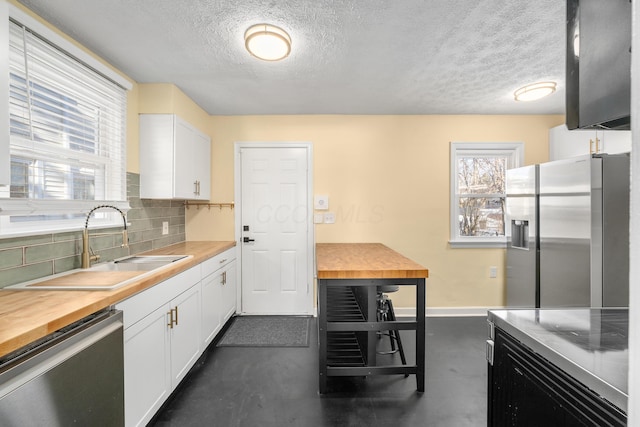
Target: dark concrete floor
x,y
260,386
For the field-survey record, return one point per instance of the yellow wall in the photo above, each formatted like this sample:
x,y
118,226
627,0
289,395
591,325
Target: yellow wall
x,y
387,178
167,98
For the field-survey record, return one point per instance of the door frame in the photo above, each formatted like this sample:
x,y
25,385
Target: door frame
x,y
238,146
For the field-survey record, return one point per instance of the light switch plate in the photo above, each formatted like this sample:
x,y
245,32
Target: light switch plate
x,y
321,203
493,272
318,218
329,218
165,227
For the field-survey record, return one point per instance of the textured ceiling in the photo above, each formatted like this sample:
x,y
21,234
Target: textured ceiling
x,y
348,56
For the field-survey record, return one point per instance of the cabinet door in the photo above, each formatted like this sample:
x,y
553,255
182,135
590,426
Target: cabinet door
x,y
146,367
229,291
185,333
615,141
192,162
157,137
527,390
211,307
564,143
202,165
185,154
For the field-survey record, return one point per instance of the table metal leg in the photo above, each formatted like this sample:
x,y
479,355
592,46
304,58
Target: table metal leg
x,y
420,334
322,335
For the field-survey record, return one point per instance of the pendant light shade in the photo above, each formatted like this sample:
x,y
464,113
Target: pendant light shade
x,y
267,42
535,91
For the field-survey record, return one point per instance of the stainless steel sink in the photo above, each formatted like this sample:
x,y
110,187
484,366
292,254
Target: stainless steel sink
x,y
138,263
153,259
126,270
127,266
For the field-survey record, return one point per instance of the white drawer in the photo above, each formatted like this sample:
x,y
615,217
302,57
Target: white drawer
x,y
215,263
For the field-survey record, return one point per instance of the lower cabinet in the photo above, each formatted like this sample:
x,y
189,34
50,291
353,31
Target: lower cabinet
x,y
527,390
166,329
184,333
218,293
229,291
147,367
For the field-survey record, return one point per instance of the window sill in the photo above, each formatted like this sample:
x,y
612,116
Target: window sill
x,y
466,244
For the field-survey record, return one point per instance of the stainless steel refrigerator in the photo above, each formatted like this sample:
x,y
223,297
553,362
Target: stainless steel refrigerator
x,y
582,244
521,230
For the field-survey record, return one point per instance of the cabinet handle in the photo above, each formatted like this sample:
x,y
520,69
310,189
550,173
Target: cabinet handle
x,y
173,317
223,261
195,187
224,277
170,313
490,351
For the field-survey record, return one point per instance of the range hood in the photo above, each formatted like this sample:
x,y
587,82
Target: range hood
x,y
598,64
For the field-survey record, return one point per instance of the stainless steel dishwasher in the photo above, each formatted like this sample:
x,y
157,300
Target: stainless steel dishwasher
x,y
74,376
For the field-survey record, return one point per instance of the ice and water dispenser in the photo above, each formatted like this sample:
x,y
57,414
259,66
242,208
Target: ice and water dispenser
x,y
519,234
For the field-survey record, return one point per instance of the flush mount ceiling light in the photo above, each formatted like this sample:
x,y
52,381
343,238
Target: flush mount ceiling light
x,y
535,91
267,42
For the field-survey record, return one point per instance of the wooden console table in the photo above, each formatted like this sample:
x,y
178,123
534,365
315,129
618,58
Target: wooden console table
x,y
348,276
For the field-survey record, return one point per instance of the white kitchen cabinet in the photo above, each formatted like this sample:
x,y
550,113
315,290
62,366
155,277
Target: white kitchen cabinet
x,y
229,291
162,342
147,367
218,282
564,143
184,333
175,159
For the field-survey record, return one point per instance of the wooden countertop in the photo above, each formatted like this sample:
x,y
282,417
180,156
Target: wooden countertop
x,y
28,315
364,261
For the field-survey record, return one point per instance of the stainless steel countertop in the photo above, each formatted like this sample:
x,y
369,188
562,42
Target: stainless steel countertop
x,y
591,345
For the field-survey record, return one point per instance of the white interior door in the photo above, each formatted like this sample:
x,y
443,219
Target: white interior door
x,y
274,230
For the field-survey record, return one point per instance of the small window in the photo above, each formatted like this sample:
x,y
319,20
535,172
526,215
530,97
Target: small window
x,y
67,148
478,192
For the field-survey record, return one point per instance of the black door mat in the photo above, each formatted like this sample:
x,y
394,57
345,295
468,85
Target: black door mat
x,y
267,331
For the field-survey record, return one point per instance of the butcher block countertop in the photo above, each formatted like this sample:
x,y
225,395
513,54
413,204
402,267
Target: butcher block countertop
x,y
28,315
364,261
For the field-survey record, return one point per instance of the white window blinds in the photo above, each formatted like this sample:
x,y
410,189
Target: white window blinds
x,y
67,125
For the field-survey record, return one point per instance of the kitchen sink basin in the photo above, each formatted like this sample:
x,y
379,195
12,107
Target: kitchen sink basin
x,y
150,259
105,276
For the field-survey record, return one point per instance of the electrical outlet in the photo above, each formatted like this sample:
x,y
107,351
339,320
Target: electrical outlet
x,y
329,218
493,272
165,227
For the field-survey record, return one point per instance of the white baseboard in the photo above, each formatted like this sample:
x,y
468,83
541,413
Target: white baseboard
x,y
445,311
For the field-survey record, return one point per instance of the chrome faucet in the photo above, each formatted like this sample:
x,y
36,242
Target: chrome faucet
x,y
88,258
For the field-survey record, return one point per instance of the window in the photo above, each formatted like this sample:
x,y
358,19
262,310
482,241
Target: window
x,y
478,192
67,124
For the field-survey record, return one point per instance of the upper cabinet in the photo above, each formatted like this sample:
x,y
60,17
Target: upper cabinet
x,y
564,143
175,159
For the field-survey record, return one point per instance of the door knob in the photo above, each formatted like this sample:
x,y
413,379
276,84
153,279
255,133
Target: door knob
x,y
247,240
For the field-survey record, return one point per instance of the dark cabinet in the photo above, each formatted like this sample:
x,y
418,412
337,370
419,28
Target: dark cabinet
x,y
524,389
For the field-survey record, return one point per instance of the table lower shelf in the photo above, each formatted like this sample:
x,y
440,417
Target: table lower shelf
x,y
343,350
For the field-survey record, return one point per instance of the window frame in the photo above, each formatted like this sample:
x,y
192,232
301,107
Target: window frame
x,y
515,151
27,206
